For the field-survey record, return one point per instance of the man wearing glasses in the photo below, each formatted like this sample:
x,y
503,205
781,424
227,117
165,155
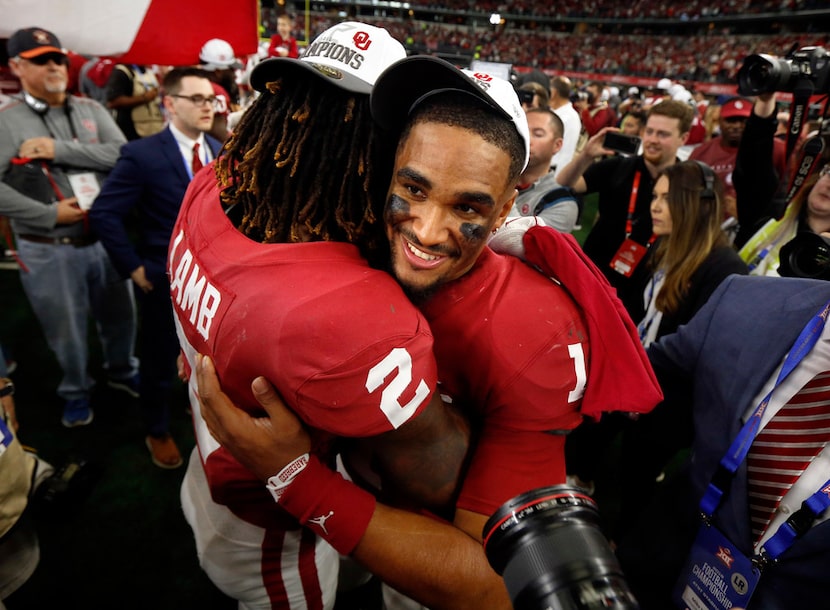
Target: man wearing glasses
x,y
57,149
150,178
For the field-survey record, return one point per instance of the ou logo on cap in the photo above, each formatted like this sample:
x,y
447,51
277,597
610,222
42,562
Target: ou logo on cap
x,y
362,41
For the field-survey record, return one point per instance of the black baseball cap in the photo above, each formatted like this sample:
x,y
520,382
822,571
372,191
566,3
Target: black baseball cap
x,y
407,83
31,42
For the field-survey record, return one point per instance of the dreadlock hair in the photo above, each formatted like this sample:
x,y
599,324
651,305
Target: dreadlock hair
x,y
299,165
459,109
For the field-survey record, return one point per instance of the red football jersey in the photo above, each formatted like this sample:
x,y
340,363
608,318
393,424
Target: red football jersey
x,y
339,340
512,351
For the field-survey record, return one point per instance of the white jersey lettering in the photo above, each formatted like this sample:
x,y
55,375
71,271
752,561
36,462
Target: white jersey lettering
x,y
578,356
193,293
400,360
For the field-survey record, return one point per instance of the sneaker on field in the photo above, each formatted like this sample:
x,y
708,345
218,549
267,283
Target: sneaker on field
x,y
130,385
76,413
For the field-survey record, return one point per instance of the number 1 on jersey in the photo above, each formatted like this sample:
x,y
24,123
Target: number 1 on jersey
x,y
578,356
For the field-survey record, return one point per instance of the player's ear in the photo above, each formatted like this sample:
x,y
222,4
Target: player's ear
x,y
505,209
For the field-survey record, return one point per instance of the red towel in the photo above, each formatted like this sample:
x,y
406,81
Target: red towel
x,y
620,377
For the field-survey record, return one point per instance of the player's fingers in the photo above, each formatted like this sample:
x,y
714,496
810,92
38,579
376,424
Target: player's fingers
x,y
214,403
282,418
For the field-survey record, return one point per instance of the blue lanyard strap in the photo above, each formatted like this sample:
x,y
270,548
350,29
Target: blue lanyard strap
x,y
797,524
740,446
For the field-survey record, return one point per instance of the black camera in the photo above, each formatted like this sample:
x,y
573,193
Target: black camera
x,y
766,74
63,492
578,96
548,546
806,255
525,96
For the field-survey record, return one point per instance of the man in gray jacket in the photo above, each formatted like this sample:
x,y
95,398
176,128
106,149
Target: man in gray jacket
x,y
55,150
539,193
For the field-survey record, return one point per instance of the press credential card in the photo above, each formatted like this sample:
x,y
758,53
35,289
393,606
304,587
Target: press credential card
x,y
86,188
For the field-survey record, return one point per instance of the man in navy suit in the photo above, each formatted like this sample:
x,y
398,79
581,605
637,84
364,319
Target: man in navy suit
x,y
729,357
150,178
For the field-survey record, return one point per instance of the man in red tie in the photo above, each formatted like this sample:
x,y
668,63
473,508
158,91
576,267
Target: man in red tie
x,y
755,359
151,177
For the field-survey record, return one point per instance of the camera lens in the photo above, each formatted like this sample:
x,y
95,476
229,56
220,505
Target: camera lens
x,y
807,255
764,74
548,546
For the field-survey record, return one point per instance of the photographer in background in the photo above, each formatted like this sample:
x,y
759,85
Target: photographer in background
x,y
763,229
533,95
721,152
595,111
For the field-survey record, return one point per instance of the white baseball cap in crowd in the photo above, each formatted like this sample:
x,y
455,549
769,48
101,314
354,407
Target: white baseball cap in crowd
x,y
407,83
217,54
663,84
350,54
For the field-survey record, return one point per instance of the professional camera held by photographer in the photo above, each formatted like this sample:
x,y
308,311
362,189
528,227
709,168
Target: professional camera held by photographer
x,y
548,546
802,204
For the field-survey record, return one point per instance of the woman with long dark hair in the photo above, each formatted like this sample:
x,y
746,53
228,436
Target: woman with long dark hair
x,y
691,258
693,255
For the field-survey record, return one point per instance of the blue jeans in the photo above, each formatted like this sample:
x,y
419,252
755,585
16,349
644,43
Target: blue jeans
x,y
64,284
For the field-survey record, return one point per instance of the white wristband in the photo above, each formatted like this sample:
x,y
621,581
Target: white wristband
x,y
278,483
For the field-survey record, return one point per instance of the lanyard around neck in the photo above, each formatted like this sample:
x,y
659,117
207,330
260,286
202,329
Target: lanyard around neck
x,y
738,450
632,205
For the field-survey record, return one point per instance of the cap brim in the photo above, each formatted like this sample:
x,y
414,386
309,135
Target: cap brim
x,y
734,115
271,69
40,51
408,82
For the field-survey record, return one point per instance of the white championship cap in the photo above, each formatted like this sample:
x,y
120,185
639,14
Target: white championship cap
x,y
217,54
663,84
351,54
404,85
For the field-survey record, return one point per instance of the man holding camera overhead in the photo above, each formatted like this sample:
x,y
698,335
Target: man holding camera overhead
x,y
621,235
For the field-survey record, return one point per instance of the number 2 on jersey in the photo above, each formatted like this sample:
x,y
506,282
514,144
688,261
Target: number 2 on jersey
x,y
397,360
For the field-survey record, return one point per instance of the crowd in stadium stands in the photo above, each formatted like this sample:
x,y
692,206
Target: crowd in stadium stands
x,y
639,9
713,58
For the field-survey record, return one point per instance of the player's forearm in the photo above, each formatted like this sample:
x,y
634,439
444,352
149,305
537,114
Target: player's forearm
x,y
421,462
430,561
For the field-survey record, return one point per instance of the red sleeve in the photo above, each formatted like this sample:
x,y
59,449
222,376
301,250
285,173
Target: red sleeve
x,y
378,390
507,463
